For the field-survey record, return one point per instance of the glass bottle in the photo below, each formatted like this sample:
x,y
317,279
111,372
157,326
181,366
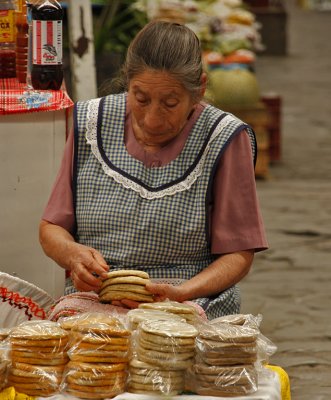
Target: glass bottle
x,y
7,39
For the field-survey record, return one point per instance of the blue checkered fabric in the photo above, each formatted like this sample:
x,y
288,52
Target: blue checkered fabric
x,y
165,236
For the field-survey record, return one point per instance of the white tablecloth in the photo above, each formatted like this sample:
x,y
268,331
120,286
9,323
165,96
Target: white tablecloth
x,y
269,389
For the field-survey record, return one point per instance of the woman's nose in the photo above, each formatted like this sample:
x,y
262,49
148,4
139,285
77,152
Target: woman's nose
x,y
153,119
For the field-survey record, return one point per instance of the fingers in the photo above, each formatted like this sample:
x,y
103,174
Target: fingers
x,y
104,267
157,288
97,264
84,280
125,303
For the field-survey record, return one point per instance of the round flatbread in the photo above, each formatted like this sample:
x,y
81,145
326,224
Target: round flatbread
x,y
84,346
146,344
98,359
171,306
214,345
99,339
96,367
38,330
167,340
114,379
38,369
102,329
125,287
73,375
138,315
173,329
228,333
112,295
125,280
171,364
95,389
127,272
156,373
156,379
163,356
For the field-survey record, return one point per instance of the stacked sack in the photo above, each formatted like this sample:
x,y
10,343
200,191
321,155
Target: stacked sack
x,y
164,350
185,311
225,360
99,355
38,352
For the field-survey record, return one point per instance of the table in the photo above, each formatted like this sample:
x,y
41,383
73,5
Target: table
x,y
273,385
33,129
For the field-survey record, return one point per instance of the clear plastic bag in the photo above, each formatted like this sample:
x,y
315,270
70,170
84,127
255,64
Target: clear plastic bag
x,y
38,354
99,352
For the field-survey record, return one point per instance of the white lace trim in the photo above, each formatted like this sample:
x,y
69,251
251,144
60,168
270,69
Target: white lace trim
x,y
91,138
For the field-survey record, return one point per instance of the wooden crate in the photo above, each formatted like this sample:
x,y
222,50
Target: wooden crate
x,y
274,104
258,117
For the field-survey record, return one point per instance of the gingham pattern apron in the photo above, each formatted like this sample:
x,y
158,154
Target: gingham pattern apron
x,y
151,219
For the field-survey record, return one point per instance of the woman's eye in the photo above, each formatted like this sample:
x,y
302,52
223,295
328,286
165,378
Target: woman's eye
x,y
141,100
171,105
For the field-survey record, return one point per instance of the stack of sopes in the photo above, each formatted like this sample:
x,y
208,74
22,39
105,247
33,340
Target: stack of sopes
x,y
163,349
3,357
183,310
125,285
99,354
226,353
38,354
138,315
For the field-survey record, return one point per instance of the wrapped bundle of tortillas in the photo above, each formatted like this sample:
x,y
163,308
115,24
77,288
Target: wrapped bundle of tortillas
x,y
99,355
38,352
164,350
125,285
224,362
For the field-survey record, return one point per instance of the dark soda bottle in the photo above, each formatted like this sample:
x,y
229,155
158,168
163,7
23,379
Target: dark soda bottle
x,y
46,71
7,39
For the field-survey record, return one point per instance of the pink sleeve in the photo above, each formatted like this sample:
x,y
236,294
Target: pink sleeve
x,y
60,209
236,221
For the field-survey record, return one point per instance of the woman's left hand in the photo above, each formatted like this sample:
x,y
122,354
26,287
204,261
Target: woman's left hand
x,y
160,291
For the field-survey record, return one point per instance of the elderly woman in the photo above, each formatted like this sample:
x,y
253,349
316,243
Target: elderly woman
x,y
155,179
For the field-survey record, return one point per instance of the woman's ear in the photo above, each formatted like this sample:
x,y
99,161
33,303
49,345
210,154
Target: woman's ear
x,y
203,80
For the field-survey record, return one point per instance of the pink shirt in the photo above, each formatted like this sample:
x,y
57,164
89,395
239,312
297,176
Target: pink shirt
x,y
236,221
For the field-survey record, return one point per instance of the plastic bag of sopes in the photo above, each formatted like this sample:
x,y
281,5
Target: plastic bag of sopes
x,y
139,315
4,354
38,354
183,310
225,360
163,351
99,353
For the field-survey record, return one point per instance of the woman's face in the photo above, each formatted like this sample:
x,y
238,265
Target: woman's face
x,y
160,107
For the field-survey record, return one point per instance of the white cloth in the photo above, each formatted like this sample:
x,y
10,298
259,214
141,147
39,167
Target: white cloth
x,y
269,389
21,301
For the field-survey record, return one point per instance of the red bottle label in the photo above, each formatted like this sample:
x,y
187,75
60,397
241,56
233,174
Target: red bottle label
x,y
7,25
47,42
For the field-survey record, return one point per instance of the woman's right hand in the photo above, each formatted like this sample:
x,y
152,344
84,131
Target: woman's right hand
x,y
87,266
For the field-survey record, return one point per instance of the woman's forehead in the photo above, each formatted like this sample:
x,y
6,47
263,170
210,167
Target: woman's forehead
x,y
151,80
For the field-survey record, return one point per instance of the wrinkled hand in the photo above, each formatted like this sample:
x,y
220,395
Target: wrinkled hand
x,y
88,267
161,292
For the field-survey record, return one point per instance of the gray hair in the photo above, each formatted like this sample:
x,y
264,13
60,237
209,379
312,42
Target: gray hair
x,y
169,47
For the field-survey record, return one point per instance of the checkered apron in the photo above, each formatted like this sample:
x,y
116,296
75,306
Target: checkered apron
x,y
152,219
